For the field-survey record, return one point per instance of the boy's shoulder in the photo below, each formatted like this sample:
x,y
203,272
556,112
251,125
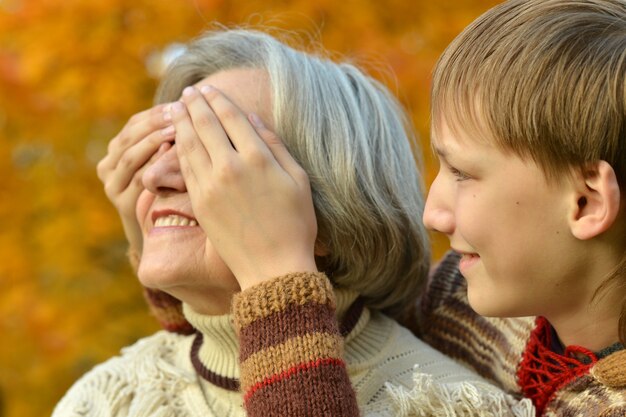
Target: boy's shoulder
x,y
601,393
610,371
491,346
153,364
494,348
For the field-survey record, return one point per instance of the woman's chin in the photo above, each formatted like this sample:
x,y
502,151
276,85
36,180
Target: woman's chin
x,y
158,277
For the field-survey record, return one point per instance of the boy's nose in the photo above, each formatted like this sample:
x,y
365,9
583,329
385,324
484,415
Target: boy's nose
x,y
438,215
163,176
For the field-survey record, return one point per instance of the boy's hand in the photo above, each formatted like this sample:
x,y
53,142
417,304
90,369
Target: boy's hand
x,y
248,194
127,156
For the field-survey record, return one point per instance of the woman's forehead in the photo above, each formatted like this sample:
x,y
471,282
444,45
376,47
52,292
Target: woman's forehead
x,y
248,88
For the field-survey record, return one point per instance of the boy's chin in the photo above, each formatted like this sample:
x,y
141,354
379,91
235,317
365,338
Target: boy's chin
x,y
490,306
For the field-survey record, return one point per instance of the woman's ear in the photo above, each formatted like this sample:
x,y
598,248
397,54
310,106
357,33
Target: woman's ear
x,y
321,252
597,201
320,249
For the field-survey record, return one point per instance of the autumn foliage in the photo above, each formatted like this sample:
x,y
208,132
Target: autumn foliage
x,y
71,73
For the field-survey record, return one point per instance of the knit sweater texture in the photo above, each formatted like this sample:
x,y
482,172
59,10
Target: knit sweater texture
x,y
514,352
282,353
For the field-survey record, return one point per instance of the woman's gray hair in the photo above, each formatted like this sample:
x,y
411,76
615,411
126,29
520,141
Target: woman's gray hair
x,y
353,139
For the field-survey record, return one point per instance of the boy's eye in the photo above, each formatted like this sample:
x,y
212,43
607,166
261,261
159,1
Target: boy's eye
x,y
459,175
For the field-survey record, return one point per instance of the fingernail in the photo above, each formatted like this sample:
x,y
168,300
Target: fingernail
x,y
256,120
177,107
168,131
188,91
206,89
167,115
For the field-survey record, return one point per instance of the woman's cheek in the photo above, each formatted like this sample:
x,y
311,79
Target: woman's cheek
x,y
144,202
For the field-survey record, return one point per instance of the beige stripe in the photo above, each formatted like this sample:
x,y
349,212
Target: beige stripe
x,y
610,370
274,295
293,352
595,400
504,364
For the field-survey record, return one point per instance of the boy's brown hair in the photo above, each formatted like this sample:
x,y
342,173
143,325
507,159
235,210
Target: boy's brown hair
x,y
544,80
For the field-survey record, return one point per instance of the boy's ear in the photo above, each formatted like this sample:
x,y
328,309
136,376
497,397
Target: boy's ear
x,y
597,201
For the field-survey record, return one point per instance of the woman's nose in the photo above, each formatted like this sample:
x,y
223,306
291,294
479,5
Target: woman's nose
x,y
438,213
163,176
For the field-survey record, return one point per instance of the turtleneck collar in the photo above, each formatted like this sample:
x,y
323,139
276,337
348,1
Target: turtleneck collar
x,y
215,350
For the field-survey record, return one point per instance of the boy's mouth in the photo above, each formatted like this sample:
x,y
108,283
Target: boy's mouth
x,y
467,260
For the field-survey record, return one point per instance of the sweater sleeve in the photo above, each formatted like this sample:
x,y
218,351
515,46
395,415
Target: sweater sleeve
x,y
291,351
491,346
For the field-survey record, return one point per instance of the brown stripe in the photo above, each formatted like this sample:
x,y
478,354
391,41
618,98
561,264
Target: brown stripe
x,y
295,320
230,384
328,393
275,295
614,411
301,349
476,343
352,316
585,397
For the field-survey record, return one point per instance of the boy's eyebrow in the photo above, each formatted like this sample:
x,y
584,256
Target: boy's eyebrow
x,y
440,152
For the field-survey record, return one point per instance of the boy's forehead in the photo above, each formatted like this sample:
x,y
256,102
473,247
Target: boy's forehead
x,y
448,137
449,148
452,144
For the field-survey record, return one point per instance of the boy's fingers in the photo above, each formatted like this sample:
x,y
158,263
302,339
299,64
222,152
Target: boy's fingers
x,y
207,124
277,147
192,155
233,121
188,171
132,160
135,186
139,126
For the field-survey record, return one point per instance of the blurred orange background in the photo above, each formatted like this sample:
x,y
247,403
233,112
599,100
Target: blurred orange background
x,y
71,73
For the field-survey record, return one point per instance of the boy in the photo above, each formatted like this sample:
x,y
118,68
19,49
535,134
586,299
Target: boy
x,y
529,125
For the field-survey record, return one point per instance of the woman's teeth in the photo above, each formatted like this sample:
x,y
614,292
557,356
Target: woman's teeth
x,y
174,220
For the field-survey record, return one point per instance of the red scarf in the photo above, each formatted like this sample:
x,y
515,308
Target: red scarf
x,y
542,372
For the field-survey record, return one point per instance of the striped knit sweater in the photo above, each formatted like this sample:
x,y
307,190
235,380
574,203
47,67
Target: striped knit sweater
x,y
293,346
504,350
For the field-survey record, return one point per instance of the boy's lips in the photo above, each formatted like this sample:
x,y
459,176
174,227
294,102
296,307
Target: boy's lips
x,y
468,259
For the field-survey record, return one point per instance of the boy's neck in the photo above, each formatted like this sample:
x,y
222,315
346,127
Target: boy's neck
x,y
590,329
592,322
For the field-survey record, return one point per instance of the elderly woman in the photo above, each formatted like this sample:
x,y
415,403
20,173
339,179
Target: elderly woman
x,y
289,273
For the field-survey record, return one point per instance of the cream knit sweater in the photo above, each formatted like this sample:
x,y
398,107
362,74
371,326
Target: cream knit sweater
x,y
391,371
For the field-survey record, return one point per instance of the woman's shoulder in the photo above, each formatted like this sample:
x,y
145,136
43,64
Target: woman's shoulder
x,y
401,351
407,376
126,384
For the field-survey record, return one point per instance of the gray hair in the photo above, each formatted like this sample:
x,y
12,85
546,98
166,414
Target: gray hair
x,y
353,139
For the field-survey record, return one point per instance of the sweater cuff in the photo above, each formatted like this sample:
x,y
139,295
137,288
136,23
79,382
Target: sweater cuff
x,y
273,296
291,352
